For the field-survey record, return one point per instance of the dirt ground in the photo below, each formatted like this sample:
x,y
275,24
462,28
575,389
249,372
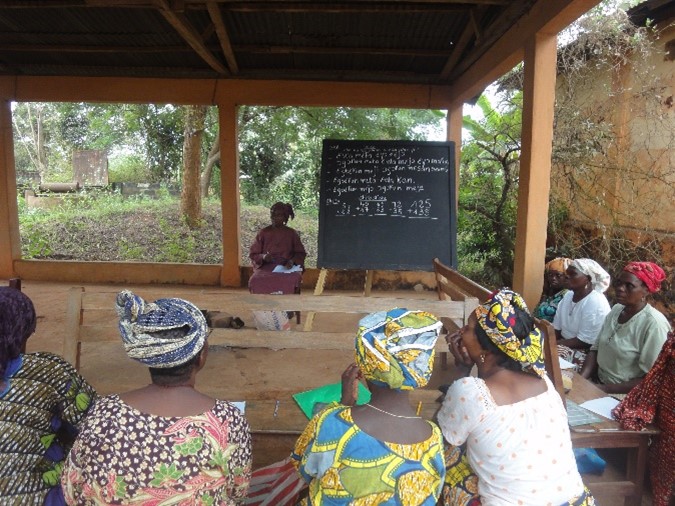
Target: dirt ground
x,y
232,374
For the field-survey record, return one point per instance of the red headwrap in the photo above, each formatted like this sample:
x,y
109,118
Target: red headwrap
x,y
648,272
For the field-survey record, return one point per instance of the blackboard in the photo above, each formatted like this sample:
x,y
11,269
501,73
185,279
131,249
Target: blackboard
x,y
387,205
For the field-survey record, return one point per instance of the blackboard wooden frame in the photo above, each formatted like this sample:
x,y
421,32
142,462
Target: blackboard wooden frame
x,y
387,205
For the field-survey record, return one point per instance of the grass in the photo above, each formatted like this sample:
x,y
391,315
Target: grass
x,y
106,227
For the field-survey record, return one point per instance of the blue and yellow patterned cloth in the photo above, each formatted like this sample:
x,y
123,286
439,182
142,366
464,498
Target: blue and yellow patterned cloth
x,y
395,349
497,317
345,466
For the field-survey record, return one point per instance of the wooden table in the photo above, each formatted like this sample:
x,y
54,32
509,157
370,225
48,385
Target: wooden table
x,y
608,434
276,425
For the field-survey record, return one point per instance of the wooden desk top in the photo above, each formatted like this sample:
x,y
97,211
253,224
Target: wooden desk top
x,y
584,390
289,418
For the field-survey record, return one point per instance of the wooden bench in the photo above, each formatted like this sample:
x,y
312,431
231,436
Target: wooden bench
x,y
91,317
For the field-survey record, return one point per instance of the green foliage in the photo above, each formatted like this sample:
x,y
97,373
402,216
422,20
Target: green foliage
x,y
127,169
280,147
488,193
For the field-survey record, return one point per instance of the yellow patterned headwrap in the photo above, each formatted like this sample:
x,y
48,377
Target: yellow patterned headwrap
x,y
497,317
396,348
559,264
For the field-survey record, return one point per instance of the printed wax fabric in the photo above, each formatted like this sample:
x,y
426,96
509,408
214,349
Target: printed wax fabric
x,y
628,350
521,452
395,349
546,309
653,401
123,456
345,466
42,402
497,317
284,244
140,321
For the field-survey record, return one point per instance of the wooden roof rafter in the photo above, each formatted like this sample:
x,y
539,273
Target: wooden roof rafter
x,y
223,37
180,23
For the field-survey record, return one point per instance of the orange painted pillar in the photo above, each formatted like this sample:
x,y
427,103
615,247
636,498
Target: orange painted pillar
x,y
229,191
10,245
454,134
535,166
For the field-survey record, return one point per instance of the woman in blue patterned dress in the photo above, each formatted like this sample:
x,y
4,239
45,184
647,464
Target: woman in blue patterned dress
x,y
382,452
42,400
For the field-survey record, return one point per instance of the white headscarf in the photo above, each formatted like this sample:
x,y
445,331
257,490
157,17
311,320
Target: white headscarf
x,y
599,277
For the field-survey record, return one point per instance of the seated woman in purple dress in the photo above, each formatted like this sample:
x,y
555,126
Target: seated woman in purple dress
x,y
277,245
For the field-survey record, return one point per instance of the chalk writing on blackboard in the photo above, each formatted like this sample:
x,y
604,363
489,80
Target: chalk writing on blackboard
x,y
371,181
375,191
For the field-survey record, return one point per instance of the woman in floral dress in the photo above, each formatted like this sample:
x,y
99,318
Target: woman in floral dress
x,y
164,443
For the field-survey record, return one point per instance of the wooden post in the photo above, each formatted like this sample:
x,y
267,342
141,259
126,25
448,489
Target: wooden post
x,y
454,134
10,241
318,290
229,191
368,285
535,166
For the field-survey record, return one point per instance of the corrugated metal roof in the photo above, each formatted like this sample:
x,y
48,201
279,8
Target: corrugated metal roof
x,y
392,40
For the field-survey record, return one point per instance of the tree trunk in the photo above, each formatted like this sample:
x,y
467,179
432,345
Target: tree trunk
x,y
214,157
190,198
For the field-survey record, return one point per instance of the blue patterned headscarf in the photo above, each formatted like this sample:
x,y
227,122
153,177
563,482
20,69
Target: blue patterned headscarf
x,y
140,321
396,348
497,317
17,323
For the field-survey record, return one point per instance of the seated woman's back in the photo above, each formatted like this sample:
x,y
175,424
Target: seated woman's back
x,y
523,447
125,455
163,442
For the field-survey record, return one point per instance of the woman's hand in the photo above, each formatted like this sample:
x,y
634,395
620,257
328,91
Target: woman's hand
x,y
458,350
350,385
267,257
289,264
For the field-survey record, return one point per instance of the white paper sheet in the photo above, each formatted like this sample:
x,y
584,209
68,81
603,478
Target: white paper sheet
x,y
286,270
564,364
240,405
602,406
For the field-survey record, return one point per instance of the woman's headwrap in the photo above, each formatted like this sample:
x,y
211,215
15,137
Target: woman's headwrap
x,y
396,348
649,273
140,321
17,323
599,277
287,209
559,264
497,316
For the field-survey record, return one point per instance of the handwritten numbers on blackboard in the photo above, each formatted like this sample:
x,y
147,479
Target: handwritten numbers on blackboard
x,y
420,208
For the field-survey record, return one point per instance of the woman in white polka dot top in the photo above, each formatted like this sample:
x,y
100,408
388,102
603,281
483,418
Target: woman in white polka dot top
x,y
507,428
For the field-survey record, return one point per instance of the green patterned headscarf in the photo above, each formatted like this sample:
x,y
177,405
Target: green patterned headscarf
x,y
497,317
396,348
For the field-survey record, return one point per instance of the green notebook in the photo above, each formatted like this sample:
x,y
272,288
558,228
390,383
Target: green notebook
x,y
312,401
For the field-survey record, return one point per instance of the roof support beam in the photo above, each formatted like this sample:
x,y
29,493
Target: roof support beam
x,y
460,45
223,36
535,166
546,16
190,35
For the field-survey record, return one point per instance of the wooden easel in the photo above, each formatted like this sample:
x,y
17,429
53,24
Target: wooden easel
x,y
321,283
